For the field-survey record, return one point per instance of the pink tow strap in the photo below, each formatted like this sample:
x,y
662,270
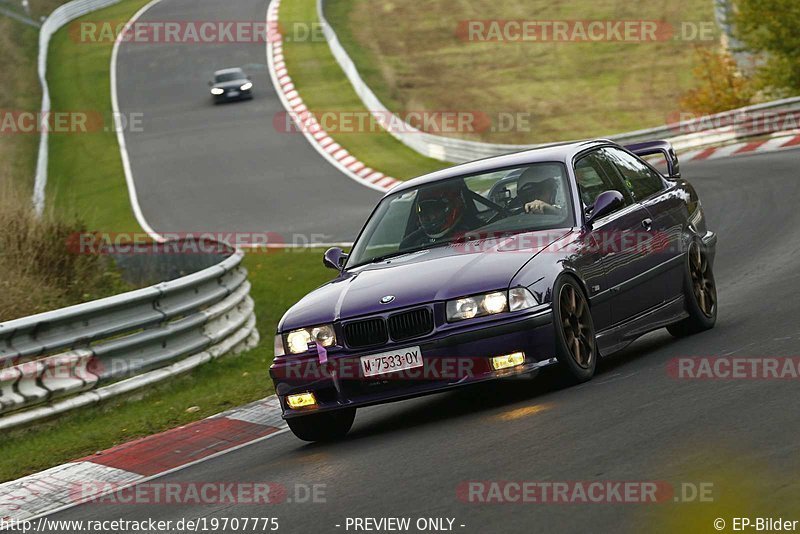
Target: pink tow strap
x,y
322,353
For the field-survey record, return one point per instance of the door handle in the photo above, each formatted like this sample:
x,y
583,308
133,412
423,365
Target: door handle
x,y
647,223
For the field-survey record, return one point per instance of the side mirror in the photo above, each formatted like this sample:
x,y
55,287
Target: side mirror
x,y
210,84
334,258
605,203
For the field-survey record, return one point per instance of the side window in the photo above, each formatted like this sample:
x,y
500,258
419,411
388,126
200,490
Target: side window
x,y
592,179
640,179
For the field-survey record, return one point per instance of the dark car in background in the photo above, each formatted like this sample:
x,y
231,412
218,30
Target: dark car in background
x,y
496,268
231,84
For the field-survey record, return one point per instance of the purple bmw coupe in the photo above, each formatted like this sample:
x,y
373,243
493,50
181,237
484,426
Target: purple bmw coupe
x,y
497,268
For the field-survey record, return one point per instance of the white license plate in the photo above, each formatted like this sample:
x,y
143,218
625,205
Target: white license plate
x,y
392,361
233,93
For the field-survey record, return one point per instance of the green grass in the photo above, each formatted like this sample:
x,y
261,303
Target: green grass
x,y
413,60
36,273
85,174
86,177
324,87
19,90
235,380
278,279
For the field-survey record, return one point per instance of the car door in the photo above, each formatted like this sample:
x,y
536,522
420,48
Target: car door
x,y
616,235
667,211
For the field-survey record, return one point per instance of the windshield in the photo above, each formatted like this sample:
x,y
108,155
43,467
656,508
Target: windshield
x,y
229,76
508,201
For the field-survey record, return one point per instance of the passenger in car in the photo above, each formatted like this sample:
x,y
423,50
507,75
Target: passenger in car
x,y
537,190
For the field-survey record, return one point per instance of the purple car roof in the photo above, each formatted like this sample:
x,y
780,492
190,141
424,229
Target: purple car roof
x,y
556,152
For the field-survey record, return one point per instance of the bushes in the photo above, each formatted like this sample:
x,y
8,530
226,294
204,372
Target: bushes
x,y
770,29
769,34
37,270
719,84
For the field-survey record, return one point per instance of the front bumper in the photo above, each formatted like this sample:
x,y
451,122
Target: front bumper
x,y
227,96
450,360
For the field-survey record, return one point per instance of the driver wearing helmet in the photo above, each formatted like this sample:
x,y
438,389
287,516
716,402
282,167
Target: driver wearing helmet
x,y
544,199
537,189
440,212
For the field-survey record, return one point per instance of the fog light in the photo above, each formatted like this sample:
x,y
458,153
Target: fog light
x,y
301,400
509,360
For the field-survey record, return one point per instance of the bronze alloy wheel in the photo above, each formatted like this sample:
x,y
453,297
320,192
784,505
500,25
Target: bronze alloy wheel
x,y
699,292
577,325
702,280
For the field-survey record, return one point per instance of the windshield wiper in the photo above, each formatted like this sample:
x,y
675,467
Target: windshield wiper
x,y
397,254
378,259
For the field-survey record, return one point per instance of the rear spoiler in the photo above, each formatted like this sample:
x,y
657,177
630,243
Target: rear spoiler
x,y
661,148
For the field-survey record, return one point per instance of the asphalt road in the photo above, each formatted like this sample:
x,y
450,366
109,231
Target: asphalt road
x,y
226,168
632,422
201,167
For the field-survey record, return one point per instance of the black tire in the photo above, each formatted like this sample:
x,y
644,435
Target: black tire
x,y
576,346
328,426
700,294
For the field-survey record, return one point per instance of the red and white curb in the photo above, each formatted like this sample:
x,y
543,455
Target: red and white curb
x,y
775,142
139,461
338,156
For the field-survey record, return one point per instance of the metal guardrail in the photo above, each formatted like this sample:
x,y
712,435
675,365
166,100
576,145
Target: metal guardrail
x,y
683,135
58,18
64,359
59,360
722,127
433,146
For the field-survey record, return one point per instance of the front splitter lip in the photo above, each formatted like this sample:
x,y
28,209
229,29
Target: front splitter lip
x,y
519,371
244,95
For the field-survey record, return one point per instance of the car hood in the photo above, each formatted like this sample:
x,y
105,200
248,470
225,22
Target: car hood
x,y
436,274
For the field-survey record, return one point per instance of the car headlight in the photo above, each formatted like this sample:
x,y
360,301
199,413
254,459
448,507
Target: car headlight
x,y
492,303
247,86
477,306
217,91
297,340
